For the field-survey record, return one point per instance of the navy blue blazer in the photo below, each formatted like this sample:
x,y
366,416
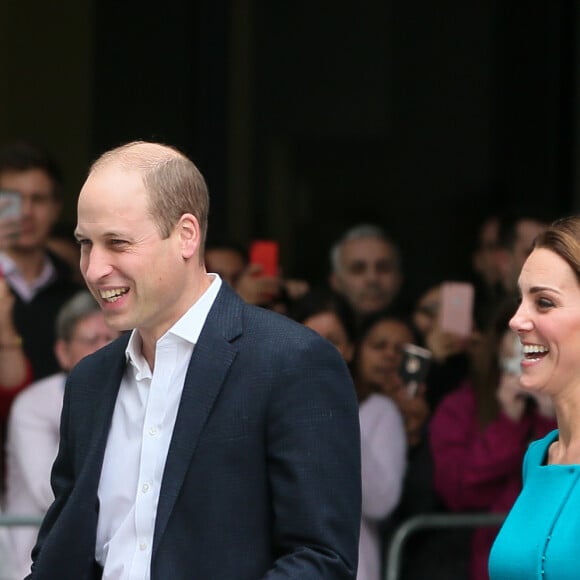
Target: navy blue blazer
x,y
262,477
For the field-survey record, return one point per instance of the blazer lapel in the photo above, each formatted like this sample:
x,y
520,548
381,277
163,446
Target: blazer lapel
x,y
210,362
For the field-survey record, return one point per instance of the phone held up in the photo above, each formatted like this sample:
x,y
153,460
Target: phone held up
x,y
10,204
266,254
414,367
456,309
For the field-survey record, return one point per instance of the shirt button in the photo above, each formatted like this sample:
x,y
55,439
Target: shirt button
x,y
143,546
145,488
153,431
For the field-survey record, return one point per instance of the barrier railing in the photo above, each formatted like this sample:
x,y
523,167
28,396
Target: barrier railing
x,y
10,521
394,552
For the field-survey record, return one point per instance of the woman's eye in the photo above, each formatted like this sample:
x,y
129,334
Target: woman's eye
x,y
545,303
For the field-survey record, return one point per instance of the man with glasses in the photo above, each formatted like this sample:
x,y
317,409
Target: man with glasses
x,y
33,425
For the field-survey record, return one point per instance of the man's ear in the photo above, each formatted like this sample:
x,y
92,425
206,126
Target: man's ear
x,y
189,234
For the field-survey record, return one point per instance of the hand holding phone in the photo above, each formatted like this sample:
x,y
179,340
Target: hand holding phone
x,y
265,253
10,204
456,309
10,214
260,284
414,367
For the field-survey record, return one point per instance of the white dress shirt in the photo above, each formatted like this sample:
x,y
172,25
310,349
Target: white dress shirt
x,y
26,290
31,447
138,442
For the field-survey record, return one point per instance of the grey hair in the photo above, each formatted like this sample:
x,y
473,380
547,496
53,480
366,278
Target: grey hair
x,y
75,309
360,232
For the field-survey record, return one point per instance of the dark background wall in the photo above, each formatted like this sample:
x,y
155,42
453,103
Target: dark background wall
x,y
47,79
308,117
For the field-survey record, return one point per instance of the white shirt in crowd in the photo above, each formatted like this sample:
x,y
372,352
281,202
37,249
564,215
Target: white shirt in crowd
x,y
383,464
31,447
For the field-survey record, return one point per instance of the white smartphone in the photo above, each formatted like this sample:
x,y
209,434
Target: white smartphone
x,y
456,309
10,204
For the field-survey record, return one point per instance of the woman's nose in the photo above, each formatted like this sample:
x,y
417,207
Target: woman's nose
x,y
521,321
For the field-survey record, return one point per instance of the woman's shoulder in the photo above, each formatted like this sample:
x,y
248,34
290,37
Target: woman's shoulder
x,y
377,407
378,403
538,450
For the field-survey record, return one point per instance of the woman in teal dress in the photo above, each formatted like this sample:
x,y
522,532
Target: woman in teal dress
x,y
540,538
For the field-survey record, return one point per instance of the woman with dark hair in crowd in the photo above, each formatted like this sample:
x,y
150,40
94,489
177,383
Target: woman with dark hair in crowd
x,y
383,442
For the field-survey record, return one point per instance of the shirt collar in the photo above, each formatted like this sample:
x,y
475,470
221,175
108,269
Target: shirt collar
x,y
26,290
188,327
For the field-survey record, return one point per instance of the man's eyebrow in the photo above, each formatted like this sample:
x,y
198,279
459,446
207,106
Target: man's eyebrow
x,y
78,234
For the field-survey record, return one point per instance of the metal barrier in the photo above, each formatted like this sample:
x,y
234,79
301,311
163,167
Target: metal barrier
x,y
394,553
11,521
7,521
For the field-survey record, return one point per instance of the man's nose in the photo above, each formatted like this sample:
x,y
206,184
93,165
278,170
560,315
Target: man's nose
x,y
25,205
371,272
95,265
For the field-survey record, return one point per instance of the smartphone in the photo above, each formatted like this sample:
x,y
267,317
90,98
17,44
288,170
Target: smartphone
x,y
414,367
456,308
10,204
265,253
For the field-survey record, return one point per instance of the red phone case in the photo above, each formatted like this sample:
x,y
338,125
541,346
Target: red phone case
x,y
265,253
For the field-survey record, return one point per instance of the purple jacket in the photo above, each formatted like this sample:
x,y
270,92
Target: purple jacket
x,y
480,469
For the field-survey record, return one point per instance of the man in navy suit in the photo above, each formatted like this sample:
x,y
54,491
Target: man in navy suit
x,y
217,440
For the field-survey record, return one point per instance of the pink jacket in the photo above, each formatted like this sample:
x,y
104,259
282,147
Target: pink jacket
x,y
480,469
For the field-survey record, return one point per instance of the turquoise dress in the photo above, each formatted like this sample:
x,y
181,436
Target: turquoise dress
x,y
540,538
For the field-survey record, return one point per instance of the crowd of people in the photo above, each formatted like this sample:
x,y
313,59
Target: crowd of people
x,y
453,443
